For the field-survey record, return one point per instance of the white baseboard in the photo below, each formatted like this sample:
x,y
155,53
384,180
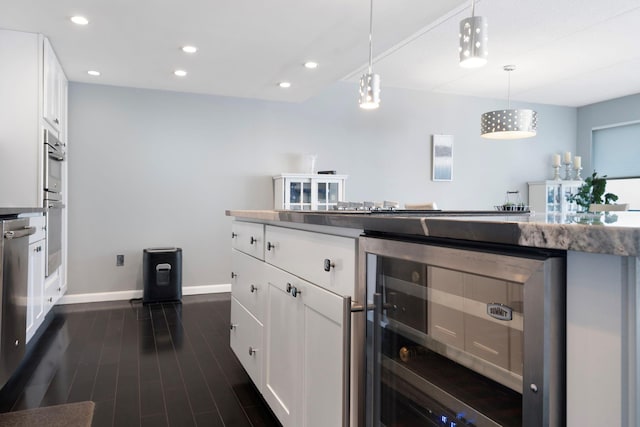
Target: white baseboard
x,y
137,293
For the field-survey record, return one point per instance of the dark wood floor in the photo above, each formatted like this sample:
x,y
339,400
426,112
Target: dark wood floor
x,y
156,365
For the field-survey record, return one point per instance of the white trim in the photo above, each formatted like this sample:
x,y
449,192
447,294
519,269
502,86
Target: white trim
x,y
137,293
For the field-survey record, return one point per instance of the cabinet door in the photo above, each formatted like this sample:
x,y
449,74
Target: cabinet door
x,y
281,346
246,341
304,367
248,284
323,259
328,193
52,82
298,194
321,336
35,289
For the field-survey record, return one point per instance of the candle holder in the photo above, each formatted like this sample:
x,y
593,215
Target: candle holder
x,y
567,173
556,173
578,170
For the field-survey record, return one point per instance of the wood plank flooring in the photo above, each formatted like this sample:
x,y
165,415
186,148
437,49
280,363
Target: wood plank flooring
x,y
156,365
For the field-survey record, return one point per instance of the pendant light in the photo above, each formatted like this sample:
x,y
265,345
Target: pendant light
x,y
509,124
474,37
370,82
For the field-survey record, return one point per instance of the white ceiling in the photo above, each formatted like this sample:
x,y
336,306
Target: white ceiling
x,y
567,52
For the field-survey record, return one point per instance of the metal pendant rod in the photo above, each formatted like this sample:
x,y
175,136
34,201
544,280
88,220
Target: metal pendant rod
x,y
371,38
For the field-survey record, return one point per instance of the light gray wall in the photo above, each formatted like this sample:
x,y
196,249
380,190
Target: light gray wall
x,y
153,168
606,113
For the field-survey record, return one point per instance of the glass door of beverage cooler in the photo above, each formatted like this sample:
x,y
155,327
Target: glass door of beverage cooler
x,y
446,339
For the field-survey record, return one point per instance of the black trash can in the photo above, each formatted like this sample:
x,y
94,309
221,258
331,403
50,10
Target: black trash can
x,y
162,275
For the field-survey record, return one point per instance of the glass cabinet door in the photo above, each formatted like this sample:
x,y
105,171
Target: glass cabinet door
x,y
299,195
328,195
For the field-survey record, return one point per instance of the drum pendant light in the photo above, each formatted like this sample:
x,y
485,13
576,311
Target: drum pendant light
x,y
474,37
509,123
370,82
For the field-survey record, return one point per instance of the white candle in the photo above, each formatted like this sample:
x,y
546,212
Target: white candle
x,y
567,156
556,159
577,162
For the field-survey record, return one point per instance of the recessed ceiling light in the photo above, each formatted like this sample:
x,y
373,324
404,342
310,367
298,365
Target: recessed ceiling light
x,y
189,49
311,65
284,84
80,20
93,73
180,73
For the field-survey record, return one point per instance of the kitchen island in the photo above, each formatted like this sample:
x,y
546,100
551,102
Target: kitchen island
x,y
602,264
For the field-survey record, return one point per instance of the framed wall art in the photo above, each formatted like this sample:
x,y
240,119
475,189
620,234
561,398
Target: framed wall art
x,y
442,160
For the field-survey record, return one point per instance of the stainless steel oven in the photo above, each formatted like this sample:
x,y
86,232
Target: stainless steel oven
x,y
53,185
463,335
54,151
53,246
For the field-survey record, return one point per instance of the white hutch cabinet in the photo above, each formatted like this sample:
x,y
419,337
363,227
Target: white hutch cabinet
x,y
308,191
550,197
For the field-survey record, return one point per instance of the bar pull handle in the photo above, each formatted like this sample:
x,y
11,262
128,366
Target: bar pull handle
x,y
16,234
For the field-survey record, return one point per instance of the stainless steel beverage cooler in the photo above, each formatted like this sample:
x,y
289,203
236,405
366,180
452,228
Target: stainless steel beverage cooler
x,y
463,335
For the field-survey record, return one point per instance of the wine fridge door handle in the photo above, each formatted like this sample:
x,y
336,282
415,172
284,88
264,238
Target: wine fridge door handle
x,y
346,361
374,405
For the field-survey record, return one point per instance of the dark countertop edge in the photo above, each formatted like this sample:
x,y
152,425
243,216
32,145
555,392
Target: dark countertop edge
x,y
12,212
623,241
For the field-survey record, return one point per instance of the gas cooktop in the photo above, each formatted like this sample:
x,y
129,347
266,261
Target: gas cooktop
x,y
420,212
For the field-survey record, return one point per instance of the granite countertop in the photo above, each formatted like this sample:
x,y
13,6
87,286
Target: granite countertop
x,y
615,233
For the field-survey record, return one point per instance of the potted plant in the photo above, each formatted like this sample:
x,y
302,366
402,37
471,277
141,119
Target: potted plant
x,y
592,192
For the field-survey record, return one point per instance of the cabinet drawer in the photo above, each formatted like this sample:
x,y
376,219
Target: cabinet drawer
x,y
248,237
39,223
309,255
248,284
246,341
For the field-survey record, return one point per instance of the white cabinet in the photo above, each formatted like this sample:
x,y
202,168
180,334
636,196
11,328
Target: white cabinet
x,y
304,364
308,191
54,90
288,314
248,290
34,96
21,150
35,278
550,197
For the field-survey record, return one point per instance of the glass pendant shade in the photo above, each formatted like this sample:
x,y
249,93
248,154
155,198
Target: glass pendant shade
x,y
508,124
474,37
369,91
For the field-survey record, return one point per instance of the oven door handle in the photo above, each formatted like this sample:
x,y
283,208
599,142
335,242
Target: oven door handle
x,y
16,234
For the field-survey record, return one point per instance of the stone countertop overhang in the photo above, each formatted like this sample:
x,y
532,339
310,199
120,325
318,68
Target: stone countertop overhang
x,y
615,233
